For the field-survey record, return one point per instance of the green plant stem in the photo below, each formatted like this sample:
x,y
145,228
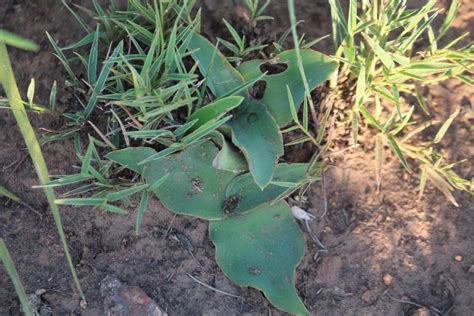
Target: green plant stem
x,y
291,9
13,274
7,79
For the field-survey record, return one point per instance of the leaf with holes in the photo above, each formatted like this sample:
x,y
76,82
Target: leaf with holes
x,y
193,187
262,249
317,67
254,130
246,195
220,76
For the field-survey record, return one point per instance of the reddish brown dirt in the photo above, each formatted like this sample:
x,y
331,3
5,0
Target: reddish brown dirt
x,y
368,234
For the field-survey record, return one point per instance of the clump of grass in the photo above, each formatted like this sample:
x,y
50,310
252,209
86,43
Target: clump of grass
x,y
380,46
140,89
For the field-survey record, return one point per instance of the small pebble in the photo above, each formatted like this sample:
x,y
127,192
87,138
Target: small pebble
x,y
471,269
458,258
387,279
83,304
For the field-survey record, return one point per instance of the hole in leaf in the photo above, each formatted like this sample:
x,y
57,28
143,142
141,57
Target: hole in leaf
x,y
231,203
273,68
258,89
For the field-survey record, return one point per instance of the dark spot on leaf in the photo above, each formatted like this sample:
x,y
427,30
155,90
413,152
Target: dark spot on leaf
x,y
273,68
231,203
257,91
252,118
277,216
197,184
254,271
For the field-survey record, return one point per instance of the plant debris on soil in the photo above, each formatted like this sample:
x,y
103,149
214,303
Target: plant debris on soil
x,y
386,253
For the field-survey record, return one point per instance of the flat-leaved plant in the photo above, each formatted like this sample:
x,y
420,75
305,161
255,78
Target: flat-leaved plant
x,y
167,114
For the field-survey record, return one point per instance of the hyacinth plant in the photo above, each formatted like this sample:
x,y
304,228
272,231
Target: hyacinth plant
x,y
162,111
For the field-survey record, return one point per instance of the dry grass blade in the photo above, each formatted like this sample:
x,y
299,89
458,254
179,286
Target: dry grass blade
x,y
213,288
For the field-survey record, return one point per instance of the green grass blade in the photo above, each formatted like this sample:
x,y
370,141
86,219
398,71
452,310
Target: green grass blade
x,y
52,97
380,52
81,201
93,57
8,82
113,209
62,58
115,196
141,211
13,274
6,193
444,128
396,149
17,41
453,9
104,74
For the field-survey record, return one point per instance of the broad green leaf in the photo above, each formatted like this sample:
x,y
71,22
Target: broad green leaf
x,y
229,157
242,194
317,68
262,249
256,134
194,187
214,110
220,76
131,156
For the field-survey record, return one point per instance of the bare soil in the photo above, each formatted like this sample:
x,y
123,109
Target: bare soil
x,y
368,234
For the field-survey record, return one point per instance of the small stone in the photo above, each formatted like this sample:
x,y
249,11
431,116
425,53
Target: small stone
x,y
422,312
471,269
40,292
124,300
83,304
458,258
387,279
